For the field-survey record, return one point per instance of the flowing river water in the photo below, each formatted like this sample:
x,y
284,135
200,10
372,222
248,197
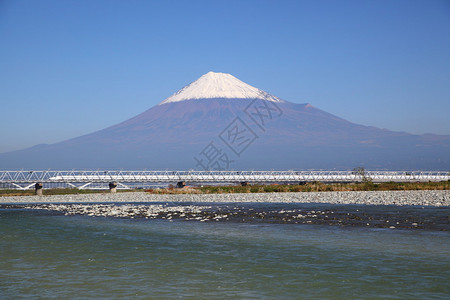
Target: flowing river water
x,y
71,253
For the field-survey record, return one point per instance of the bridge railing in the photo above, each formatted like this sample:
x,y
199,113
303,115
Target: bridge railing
x,y
26,179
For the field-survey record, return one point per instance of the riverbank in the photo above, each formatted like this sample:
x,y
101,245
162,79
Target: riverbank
x,y
254,188
421,198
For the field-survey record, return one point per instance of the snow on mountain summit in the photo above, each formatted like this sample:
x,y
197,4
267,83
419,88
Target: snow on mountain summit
x,y
219,85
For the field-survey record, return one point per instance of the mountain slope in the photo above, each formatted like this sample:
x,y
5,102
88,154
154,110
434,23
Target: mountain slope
x,y
254,131
219,86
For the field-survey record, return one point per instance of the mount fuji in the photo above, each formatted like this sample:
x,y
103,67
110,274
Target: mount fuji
x,y
219,122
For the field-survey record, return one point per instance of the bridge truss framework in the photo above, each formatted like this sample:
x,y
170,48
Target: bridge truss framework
x,y
99,179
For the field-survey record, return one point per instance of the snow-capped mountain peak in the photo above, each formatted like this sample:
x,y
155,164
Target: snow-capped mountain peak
x,y
219,85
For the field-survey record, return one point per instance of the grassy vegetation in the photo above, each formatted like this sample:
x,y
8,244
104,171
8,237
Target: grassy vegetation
x,y
309,187
273,188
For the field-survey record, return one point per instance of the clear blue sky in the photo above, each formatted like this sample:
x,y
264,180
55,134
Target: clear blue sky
x,y
69,68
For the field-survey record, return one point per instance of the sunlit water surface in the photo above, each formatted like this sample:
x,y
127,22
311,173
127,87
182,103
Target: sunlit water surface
x,y
43,255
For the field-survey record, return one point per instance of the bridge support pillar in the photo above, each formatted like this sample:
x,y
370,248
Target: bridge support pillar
x,y
244,183
38,187
181,184
112,187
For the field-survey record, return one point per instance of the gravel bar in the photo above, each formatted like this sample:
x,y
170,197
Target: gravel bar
x,y
422,198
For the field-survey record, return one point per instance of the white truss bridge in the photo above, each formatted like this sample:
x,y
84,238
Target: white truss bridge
x,y
90,179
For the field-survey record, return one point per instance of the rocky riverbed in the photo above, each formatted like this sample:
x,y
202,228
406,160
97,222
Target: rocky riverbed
x,y
400,209
421,198
378,216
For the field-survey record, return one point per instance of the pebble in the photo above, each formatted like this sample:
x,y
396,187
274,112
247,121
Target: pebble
x,y
400,198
